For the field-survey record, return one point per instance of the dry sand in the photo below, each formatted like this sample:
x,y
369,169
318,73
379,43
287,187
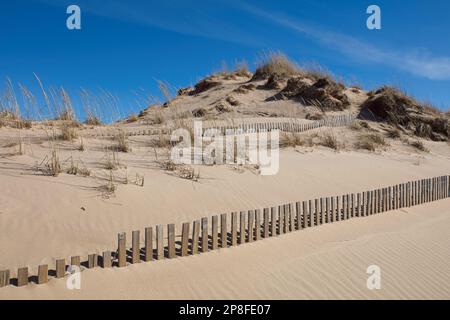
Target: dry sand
x,y
328,262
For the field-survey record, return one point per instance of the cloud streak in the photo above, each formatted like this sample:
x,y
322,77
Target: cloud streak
x,y
420,64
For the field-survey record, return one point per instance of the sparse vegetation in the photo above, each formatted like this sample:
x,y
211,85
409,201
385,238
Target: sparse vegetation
x,y
329,140
393,133
68,133
418,145
122,142
275,64
370,142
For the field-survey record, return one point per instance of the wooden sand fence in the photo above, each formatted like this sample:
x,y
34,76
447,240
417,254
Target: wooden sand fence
x,y
291,125
237,228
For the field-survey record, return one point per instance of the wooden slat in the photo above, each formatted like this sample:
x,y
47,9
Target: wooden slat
x,y
257,224
223,231
251,225
234,228
287,217
92,261
106,259
122,253
148,244
273,221
135,247
22,276
60,268
316,212
159,242
280,219
195,236
310,214
185,239
242,232
305,222
298,212
205,240
266,222
75,261
214,232
42,274
4,278
171,241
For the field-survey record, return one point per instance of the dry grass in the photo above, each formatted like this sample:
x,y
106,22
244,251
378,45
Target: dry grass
x,y
132,118
275,64
329,140
93,120
68,133
291,140
50,165
393,133
418,145
370,142
122,142
111,160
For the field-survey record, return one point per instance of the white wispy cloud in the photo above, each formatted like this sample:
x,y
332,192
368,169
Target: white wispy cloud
x,y
421,64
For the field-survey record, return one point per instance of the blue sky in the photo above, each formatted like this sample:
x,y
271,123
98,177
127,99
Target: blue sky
x,y
125,46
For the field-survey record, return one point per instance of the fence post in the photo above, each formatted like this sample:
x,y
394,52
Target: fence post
x,y
273,220
251,225
106,259
242,231
233,229
4,278
185,239
298,209
280,219
305,214
292,216
171,241
195,236
22,276
338,208
60,268
310,214
148,242
42,274
223,231
159,242
75,261
135,247
266,222
316,212
287,216
205,235
258,224
92,261
121,250
322,211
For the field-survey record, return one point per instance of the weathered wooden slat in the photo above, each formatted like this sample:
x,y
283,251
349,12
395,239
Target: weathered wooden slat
x,y
106,259
121,249
148,244
257,224
42,274
214,232
205,240
75,261
195,236
251,225
22,276
92,261
273,221
280,219
316,212
298,211
185,239
310,214
4,278
305,214
234,228
159,242
135,247
223,231
242,230
171,241
287,216
266,222
60,268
